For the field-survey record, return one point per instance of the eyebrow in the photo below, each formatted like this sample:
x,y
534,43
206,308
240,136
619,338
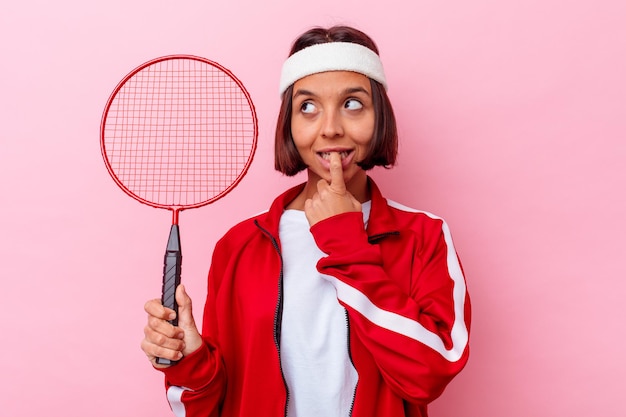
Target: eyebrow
x,y
347,91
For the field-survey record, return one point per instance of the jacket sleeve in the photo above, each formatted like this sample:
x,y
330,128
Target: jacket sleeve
x,y
195,386
407,304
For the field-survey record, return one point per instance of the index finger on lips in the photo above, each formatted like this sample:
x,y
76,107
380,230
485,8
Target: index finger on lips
x,y
336,173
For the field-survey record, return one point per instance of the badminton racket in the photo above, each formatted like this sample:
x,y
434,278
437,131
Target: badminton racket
x,y
177,133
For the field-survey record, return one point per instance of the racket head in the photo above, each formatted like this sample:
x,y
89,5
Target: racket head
x,y
178,132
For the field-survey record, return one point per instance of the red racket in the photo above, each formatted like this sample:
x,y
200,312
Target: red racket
x,y
178,132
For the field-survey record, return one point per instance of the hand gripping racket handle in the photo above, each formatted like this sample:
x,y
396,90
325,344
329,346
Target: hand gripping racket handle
x,y
171,278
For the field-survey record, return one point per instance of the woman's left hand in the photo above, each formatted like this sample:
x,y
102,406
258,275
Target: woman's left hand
x,y
331,198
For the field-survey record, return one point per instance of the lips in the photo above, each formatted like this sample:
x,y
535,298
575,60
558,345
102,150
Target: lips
x,y
326,155
346,157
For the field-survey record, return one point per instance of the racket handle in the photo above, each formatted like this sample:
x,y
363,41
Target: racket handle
x,y
171,278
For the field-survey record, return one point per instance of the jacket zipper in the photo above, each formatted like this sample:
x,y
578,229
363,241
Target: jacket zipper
x,y
279,311
352,362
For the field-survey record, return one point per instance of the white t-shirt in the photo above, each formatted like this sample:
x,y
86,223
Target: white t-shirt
x,y
314,335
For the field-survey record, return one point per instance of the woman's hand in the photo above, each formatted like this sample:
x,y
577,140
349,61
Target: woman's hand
x,y
331,198
162,339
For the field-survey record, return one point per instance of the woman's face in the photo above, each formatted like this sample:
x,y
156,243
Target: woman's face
x,y
333,112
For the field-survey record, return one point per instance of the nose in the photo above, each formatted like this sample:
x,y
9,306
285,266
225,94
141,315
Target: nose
x,y
332,125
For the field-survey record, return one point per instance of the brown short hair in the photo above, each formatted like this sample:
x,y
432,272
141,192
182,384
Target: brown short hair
x,y
384,145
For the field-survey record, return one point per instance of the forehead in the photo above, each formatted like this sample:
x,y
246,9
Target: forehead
x,y
332,82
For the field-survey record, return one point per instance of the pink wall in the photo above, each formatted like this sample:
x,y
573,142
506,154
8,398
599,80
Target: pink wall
x,y
512,118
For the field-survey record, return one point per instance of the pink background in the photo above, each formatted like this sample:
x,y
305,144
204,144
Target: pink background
x,y
512,120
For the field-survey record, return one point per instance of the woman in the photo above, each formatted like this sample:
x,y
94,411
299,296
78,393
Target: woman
x,y
336,301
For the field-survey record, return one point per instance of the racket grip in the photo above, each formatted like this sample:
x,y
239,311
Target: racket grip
x,y
172,264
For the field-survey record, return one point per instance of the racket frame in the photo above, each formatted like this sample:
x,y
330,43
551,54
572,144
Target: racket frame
x,y
176,209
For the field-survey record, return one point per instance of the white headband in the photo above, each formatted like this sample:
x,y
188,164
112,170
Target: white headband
x,y
332,56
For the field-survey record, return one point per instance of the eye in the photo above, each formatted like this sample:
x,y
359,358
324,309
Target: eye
x,y
353,104
307,107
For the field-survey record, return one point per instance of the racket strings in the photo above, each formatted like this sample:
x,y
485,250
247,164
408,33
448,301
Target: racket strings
x,y
179,133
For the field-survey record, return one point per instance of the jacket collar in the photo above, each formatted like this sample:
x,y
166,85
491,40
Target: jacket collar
x,y
380,224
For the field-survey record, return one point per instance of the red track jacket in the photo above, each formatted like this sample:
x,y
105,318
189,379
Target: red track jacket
x,y
400,282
